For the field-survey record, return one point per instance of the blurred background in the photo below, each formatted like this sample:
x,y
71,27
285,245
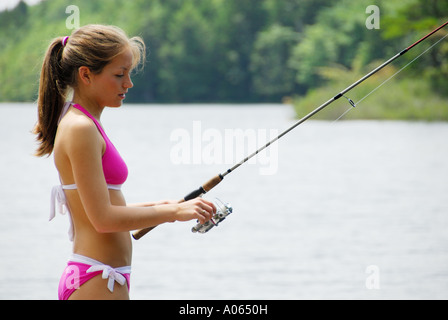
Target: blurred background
x,y
351,202
257,51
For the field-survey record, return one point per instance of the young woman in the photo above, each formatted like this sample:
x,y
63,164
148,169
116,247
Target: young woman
x,y
95,63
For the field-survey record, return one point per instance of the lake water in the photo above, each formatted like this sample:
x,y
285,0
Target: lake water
x,y
348,210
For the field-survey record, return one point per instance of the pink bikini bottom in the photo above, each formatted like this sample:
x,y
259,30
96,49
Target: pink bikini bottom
x,y
80,269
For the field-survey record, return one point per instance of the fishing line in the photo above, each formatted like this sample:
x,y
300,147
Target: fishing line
x,y
353,105
210,184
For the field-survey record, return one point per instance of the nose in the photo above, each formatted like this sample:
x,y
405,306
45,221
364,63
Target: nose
x,y
128,83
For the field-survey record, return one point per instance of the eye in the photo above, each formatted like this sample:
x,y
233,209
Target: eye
x,y
119,75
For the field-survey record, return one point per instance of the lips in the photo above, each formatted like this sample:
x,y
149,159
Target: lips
x,y
122,95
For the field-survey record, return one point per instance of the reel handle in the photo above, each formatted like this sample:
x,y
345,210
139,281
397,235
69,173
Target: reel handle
x,y
206,187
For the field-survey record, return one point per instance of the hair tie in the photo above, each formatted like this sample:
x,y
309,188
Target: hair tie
x,y
64,41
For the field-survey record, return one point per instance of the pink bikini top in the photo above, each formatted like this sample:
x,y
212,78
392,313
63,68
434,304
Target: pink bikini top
x,y
114,167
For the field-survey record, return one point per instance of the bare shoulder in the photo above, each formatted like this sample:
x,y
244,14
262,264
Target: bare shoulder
x,y
78,133
77,123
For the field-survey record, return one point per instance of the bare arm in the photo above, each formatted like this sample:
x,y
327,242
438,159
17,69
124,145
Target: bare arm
x,y
85,154
151,204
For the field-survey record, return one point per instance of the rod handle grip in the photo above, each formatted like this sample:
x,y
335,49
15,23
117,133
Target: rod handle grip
x,y
140,233
206,187
210,184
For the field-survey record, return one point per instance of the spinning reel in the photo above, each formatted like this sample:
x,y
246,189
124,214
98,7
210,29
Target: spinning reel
x,y
222,211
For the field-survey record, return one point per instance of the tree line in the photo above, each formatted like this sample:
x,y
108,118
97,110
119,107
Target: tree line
x,y
227,50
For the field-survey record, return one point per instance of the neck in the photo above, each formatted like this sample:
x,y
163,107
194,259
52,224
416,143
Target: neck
x,y
92,107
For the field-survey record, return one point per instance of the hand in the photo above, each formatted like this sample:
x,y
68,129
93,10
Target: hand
x,y
198,208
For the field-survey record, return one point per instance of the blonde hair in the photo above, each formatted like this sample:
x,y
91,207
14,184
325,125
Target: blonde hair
x,y
93,46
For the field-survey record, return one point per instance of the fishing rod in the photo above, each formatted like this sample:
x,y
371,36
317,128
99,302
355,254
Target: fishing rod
x,y
210,184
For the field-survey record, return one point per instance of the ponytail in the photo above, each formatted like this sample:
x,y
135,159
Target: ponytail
x,y
93,46
50,98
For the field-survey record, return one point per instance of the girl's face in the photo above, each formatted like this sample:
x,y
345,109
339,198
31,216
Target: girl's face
x,y
109,87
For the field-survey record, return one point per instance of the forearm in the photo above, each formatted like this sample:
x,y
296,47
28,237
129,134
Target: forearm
x,y
137,216
112,218
150,204
141,204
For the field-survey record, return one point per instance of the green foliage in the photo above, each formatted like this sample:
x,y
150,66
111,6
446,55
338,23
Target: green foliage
x,y
244,50
418,95
382,96
270,73
188,47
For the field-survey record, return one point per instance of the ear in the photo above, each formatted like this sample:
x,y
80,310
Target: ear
x,y
84,75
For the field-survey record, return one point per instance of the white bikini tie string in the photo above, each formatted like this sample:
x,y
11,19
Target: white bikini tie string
x,y
111,273
58,198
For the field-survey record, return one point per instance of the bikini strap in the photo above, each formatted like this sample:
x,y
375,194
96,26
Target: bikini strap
x,y
77,106
64,110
